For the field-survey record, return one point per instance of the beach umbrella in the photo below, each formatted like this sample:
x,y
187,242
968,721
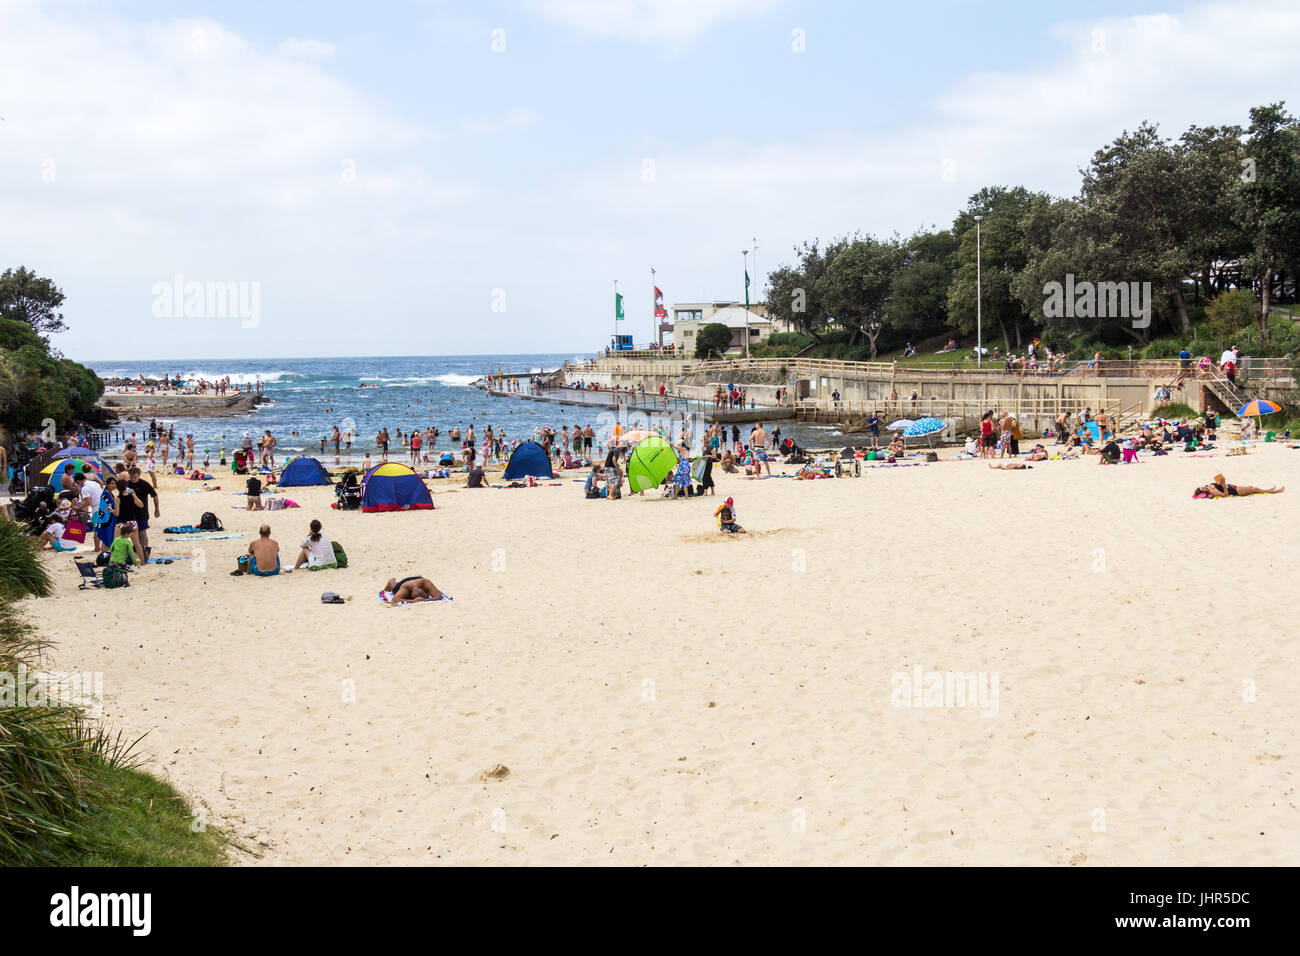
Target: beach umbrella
x,y
76,466
899,425
651,461
924,427
635,435
1258,407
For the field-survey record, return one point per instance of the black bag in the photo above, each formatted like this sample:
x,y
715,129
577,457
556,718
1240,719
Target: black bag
x,y
210,522
115,576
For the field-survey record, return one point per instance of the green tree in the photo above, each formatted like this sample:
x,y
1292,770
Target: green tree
x,y
712,339
1003,253
792,290
855,287
27,297
1231,311
919,292
1269,198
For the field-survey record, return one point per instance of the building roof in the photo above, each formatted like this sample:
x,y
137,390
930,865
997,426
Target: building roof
x,y
734,317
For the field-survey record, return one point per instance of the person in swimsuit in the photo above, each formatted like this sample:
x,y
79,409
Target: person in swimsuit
x,y
1219,488
415,588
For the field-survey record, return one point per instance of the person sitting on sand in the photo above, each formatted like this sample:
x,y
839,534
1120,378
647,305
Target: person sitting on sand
x,y
592,486
254,493
897,446
476,479
1219,488
728,462
316,549
412,589
1037,453
726,516
264,554
1110,453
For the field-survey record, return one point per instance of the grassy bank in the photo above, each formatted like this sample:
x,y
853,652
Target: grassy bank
x,y
71,793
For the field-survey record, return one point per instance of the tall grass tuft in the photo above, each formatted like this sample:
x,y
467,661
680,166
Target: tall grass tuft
x,y
43,756
21,573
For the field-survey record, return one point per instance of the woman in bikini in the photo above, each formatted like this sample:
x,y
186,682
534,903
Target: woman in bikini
x,y
1219,488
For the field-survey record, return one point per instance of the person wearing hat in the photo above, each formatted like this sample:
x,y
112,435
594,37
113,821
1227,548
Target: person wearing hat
x,y
726,517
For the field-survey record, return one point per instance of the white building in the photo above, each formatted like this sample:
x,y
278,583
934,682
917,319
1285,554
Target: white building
x,y
690,317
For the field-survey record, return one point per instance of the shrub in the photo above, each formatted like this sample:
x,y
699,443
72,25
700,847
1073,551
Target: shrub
x,y
21,574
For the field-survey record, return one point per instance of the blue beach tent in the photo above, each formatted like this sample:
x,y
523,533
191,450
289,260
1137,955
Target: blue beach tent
x,y
529,458
304,471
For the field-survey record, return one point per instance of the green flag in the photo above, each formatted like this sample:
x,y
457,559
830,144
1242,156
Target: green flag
x,y
746,290
618,306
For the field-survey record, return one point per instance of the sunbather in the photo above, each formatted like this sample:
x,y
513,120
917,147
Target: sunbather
x,y
412,589
1219,488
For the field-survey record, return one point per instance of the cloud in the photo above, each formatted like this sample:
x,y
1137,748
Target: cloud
x,y
649,19
296,48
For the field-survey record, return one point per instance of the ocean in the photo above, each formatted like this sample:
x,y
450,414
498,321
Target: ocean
x,y
312,395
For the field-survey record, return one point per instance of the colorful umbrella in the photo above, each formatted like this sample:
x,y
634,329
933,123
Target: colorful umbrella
x,y
923,427
1258,407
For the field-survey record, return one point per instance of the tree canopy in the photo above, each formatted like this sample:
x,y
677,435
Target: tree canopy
x,y
1182,219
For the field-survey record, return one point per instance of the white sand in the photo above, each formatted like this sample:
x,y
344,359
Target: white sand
x,y
663,694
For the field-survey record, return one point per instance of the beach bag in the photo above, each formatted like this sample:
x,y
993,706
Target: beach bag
x,y
340,556
210,522
74,531
115,576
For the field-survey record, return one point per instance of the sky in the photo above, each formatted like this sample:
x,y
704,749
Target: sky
x,y
288,178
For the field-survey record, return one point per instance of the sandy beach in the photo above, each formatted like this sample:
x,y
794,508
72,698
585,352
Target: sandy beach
x,y
664,694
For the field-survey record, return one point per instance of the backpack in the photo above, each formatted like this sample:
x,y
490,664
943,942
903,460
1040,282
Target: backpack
x,y
115,576
210,522
340,556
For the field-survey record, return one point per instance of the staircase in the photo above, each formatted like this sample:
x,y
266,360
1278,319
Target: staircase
x,y
1230,395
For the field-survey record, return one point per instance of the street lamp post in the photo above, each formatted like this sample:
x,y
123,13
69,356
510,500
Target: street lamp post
x,y
979,299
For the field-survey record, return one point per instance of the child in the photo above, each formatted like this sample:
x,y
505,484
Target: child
x,y
726,515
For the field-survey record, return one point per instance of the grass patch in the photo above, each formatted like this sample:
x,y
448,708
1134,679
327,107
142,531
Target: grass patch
x,y
70,791
1176,410
139,820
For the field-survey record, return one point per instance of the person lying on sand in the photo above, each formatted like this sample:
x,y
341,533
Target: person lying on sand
x,y
1219,488
1037,453
726,515
412,589
1010,466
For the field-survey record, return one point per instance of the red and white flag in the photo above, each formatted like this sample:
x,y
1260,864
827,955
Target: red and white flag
x,y
660,311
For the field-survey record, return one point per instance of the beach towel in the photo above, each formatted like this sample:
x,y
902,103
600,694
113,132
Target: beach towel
x,y
387,598
211,537
183,557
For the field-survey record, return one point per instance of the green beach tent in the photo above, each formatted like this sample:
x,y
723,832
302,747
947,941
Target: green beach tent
x,y
651,461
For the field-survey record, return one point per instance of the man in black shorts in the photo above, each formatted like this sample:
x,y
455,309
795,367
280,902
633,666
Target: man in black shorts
x,y
142,491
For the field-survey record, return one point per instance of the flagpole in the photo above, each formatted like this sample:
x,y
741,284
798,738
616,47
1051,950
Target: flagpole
x,y
614,341
654,319
745,253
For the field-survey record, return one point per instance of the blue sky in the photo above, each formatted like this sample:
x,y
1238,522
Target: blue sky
x,y
391,185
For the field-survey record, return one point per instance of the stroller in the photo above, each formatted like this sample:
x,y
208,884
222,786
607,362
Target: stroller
x,y
348,493
30,512
794,454
240,464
